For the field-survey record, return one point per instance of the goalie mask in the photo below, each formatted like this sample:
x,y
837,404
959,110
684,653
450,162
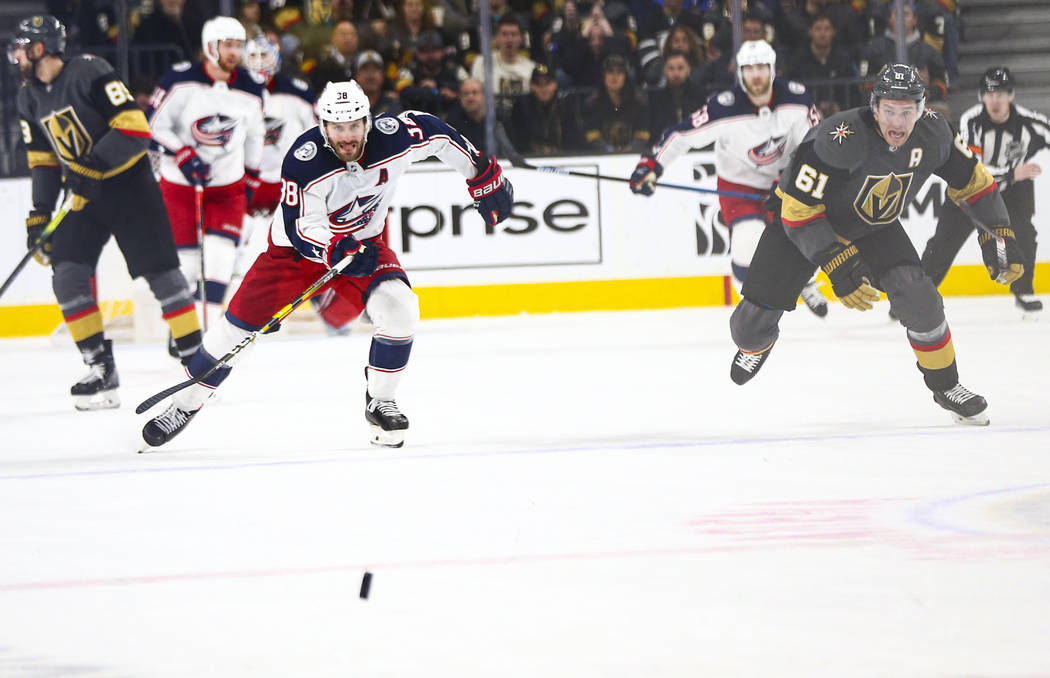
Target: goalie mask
x,y
343,102
215,31
755,53
262,56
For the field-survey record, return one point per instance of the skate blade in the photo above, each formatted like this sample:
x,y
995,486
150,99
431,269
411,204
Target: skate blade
x,y
979,419
106,400
381,438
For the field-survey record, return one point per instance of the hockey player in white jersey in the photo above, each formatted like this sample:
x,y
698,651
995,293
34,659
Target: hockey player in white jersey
x,y
337,182
206,118
755,126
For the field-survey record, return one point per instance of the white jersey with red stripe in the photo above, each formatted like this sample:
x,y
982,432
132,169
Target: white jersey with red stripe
x,y
221,121
289,111
752,145
323,197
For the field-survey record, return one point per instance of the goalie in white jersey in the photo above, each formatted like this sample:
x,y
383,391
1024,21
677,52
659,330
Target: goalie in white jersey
x,y
755,127
206,118
337,183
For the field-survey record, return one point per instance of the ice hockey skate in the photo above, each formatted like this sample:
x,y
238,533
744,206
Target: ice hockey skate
x,y
170,423
966,407
746,365
815,299
1028,303
97,390
385,421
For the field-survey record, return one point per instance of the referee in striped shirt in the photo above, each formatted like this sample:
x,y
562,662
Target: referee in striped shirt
x,y
1005,136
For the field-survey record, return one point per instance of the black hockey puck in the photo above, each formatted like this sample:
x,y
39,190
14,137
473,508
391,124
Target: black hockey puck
x,y
366,584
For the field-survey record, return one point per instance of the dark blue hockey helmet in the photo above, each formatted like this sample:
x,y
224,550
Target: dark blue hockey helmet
x,y
997,79
898,81
42,28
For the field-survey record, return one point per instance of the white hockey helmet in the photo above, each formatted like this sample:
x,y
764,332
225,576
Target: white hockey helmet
x,y
754,53
215,31
262,56
343,102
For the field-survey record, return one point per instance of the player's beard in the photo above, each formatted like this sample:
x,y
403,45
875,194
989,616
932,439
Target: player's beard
x,y
228,63
760,90
348,151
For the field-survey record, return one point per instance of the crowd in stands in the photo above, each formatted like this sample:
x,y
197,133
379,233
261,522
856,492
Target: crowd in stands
x,y
569,75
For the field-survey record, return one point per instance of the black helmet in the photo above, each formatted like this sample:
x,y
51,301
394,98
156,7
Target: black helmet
x,y
42,28
997,79
898,81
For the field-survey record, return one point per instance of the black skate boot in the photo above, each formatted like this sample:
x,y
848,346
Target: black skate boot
x,y
746,365
385,421
1028,303
815,300
163,428
98,389
966,407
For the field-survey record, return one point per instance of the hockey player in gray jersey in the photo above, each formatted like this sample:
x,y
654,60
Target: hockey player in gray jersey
x,y
842,195
78,119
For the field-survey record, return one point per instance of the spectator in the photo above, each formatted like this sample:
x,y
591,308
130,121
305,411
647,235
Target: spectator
x,y
510,70
653,32
821,59
580,55
616,117
369,73
678,98
683,40
250,15
163,27
717,73
850,31
399,43
882,50
336,62
544,122
469,120
431,84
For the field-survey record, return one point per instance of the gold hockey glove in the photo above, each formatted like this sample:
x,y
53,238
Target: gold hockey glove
x,y
36,222
1001,256
850,276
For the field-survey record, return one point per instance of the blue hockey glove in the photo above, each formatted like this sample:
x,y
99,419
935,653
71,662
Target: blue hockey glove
x,y
192,167
365,260
643,179
492,194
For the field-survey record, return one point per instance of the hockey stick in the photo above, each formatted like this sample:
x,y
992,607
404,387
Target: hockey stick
x,y
277,317
546,169
202,286
67,204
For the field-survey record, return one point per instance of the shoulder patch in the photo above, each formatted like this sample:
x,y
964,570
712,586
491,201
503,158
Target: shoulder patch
x,y
300,84
387,125
182,66
841,133
796,87
306,152
726,98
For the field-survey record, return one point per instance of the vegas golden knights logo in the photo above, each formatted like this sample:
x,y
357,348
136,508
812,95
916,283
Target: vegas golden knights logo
x,y
68,135
882,199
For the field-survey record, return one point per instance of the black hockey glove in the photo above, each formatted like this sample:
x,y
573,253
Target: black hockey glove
x,y
643,179
252,184
1001,255
850,276
192,167
84,182
493,194
36,222
365,256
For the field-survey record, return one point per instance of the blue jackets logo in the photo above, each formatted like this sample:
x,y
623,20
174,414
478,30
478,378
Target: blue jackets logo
x,y
213,130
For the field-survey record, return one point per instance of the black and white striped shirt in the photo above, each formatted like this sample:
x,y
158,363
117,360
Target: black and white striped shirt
x,y
1004,146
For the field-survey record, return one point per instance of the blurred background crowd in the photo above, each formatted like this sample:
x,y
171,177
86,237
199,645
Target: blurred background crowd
x,y
569,76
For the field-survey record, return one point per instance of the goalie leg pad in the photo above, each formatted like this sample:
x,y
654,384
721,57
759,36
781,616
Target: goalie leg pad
x,y
754,328
744,236
394,308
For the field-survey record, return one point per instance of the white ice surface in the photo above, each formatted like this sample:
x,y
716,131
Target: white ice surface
x,y
582,495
